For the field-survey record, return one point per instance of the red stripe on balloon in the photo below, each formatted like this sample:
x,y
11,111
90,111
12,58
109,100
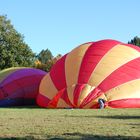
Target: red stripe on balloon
x,y
23,87
57,73
66,98
77,92
95,106
42,100
128,72
54,101
125,103
92,57
92,95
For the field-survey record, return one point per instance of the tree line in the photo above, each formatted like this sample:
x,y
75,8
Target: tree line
x,y
14,52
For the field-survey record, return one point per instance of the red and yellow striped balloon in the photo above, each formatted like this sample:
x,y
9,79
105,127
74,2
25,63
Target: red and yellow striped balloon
x,y
106,69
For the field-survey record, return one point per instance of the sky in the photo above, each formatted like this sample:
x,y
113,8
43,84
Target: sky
x,y
61,25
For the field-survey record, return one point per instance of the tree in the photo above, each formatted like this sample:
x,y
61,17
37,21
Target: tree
x,y
44,60
135,41
13,50
44,56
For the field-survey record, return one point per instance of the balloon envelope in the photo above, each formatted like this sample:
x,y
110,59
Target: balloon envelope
x,y
106,69
19,86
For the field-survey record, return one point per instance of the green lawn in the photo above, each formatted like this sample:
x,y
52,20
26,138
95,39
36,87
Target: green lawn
x,y
35,123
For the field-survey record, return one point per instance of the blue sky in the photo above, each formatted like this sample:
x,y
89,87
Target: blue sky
x,y
61,25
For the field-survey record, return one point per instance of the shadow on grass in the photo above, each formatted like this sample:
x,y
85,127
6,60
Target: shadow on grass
x,y
23,107
107,117
31,107
75,136
134,124
118,117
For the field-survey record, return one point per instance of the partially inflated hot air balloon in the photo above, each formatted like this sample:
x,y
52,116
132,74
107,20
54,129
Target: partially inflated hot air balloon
x,y
106,69
19,86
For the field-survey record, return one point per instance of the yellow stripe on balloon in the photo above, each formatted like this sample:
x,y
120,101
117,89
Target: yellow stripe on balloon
x,y
62,104
115,58
47,87
127,90
72,69
70,91
84,93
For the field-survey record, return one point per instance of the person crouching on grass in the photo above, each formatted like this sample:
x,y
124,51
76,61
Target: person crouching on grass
x,y
101,103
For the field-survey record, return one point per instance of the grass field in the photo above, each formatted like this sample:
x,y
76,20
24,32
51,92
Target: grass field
x,y
35,124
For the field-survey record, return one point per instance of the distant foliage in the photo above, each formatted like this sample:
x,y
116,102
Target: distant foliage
x,y
44,56
135,41
13,50
45,60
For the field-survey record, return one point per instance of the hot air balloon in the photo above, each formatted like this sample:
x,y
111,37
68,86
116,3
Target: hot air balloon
x,y
106,69
19,86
